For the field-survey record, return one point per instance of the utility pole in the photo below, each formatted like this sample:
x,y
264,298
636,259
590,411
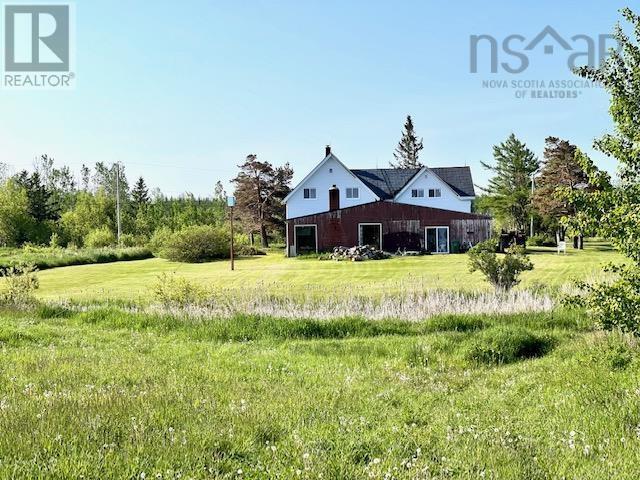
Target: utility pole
x,y
118,200
231,202
533,177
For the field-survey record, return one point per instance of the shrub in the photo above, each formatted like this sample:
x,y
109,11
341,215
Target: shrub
x,y
248,251
174,291
99,238
500,345
614,305
536,240
197,244
503,272
19,286
54,241
159,240
128,240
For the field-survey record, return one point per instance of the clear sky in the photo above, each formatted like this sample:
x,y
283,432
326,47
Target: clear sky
x,y
181,91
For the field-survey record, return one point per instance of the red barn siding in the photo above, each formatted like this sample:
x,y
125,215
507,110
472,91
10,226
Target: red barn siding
x,y
402,225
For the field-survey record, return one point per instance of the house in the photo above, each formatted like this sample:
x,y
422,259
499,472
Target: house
x,y
414,209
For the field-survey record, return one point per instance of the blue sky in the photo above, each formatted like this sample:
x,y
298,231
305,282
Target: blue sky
x,y
181,92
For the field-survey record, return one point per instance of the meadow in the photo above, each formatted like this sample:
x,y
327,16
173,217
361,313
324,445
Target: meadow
x,y
277,275
95,389
104,394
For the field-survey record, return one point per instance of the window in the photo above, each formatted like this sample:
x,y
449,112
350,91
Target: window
x,y
370,234
417,193
353,193
437,239
434,193
309,193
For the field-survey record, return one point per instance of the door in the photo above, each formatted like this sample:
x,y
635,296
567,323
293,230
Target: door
x,y
370,234
306,239
437,239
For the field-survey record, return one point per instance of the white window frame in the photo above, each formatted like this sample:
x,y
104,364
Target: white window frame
x,y
315,193
353,190
360,232
437,193
419,193
295,236
436,227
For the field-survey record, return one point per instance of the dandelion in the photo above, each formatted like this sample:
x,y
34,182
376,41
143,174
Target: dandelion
x,y
239,472
376,461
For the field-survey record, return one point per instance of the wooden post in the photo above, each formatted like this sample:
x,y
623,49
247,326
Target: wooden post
x,y
231,215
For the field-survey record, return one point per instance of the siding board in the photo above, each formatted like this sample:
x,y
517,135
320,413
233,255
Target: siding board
x,y
403,225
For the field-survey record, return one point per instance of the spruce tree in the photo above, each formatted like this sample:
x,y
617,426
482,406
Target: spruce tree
x,y
509,190
140,193
408,149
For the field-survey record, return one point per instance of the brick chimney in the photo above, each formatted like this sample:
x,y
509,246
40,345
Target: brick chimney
x,y
334,199
327,151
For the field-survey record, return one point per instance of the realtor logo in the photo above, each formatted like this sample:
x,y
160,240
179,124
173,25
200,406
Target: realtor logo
x,y
37,46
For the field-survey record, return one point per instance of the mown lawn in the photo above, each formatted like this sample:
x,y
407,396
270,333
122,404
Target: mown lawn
x,y
274,273
111,395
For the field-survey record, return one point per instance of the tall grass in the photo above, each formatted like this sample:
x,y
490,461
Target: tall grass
x,y
413,305
44,258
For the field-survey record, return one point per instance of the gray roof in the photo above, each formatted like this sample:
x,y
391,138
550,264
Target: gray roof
x,y
387,182
458,178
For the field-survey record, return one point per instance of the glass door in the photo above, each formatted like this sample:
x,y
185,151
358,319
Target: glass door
x,y
437,239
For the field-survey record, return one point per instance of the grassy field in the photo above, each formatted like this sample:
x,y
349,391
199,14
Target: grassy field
x,y
279,275
110,395
108,392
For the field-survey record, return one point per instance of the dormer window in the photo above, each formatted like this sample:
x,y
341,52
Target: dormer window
x,y
353,192
309,193
417,193
434,193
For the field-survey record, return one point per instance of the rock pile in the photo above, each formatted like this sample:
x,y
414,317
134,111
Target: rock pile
x,y
358,254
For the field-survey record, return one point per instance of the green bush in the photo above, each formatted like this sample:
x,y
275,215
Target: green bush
x,y
19,286
99,238
159,240
614,305
537,240
247,251
197,244
174,291
503,272
503,344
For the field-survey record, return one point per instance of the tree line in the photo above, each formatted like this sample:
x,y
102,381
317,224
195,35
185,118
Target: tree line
x,y
527,194
49,205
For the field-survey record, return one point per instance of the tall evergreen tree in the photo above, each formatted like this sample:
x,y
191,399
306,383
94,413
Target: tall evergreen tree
x,y
260,189
509,190
408,149
139,194
41,202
